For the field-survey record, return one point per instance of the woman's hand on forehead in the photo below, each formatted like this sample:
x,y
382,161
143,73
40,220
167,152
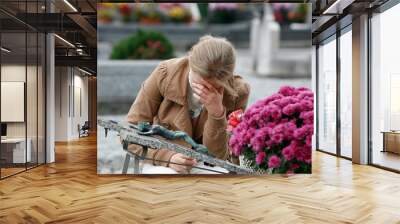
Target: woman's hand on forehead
x,y
206,84
209,96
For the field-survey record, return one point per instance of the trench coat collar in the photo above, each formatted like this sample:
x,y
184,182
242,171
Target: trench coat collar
x,y
177,85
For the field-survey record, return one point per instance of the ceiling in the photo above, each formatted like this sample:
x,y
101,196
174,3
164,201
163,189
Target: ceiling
x,y
76,22
330,15
73,20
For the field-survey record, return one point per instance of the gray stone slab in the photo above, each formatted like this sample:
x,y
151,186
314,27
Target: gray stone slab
x,y
119,80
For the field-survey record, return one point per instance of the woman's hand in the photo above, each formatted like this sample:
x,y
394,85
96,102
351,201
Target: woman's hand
x,y
182,159
210,96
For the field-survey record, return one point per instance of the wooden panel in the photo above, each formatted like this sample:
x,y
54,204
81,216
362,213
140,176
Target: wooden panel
x,y
92,100
392,142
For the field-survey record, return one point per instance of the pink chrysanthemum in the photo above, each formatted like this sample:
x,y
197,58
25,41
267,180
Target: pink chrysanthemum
x,y
279,127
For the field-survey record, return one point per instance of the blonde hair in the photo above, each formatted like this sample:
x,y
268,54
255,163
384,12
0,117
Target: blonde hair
x,y
214,57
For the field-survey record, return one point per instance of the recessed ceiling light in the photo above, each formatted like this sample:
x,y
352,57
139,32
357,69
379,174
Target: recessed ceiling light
x,y
70,5
84,71
337,7
5,50
65,41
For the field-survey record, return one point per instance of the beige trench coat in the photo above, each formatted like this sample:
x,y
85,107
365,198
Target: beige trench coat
x,y
162,100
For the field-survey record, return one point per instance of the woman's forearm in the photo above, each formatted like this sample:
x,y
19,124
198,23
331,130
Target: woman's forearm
x,y
215,137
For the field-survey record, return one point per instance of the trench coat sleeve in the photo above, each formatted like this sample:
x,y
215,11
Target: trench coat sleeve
x,y
215,136
145,108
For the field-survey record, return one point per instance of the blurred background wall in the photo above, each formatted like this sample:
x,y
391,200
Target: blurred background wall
x,y
273,43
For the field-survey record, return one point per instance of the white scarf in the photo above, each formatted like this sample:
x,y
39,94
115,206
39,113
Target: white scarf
x,y
195,106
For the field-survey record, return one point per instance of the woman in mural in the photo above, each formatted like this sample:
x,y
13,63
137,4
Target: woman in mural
x,y
193,94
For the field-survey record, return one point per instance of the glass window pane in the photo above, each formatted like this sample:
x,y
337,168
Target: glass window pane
x,y
346,94
385,86
23,87
14,153
327,97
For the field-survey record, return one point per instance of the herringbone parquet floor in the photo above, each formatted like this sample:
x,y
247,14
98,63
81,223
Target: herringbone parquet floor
x,y
70,191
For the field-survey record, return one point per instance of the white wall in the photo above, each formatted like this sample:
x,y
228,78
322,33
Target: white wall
x,y
70,83
62,81
80,100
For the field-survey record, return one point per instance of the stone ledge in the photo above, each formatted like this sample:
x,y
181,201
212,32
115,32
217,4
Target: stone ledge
x,y
119,80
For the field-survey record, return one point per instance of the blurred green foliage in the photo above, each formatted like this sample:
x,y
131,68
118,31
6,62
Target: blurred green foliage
x,y
143,45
